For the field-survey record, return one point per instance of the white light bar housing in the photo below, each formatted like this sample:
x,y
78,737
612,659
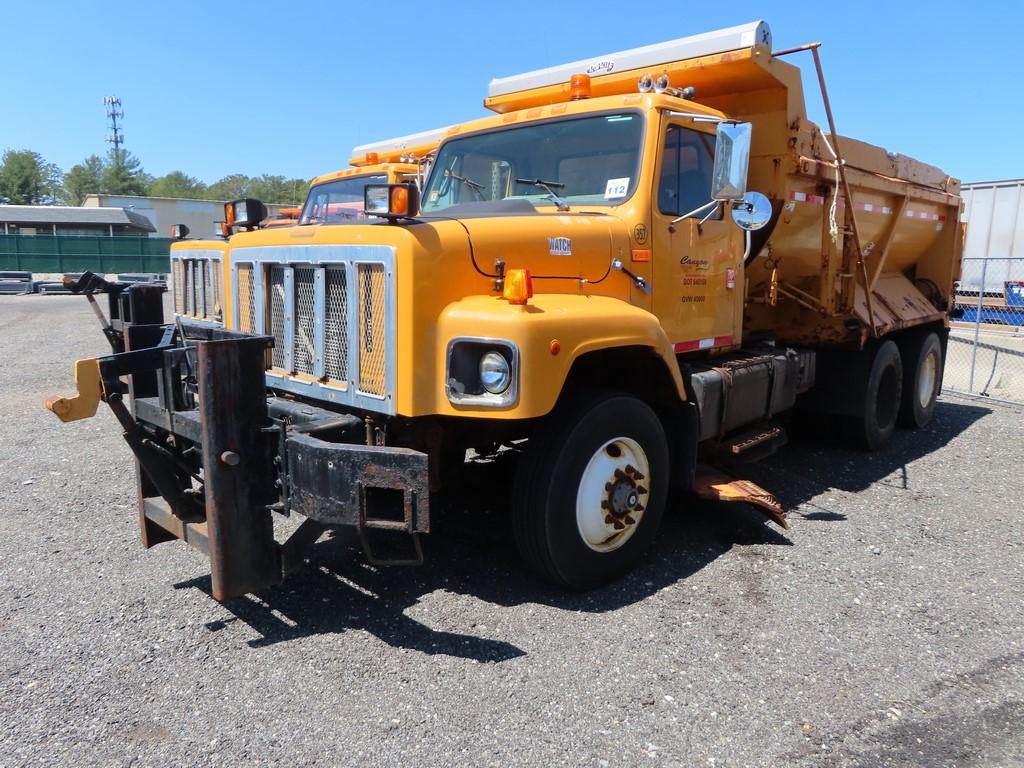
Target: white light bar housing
x,y
705,44
399,143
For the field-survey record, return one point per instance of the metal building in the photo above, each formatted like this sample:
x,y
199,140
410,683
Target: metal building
x,y
67,221
995,233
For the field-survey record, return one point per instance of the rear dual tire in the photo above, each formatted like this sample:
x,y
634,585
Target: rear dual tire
x,y
922,378
875,424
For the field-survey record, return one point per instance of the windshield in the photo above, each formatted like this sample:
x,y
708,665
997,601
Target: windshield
x,y
338,202
584,161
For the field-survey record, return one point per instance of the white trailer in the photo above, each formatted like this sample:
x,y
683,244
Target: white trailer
x,y
995,234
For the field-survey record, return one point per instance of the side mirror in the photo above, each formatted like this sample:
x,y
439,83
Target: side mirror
x,y
753,212
732,158
179,231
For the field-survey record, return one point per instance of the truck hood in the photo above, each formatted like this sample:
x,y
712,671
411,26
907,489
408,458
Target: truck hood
x,y
562,244
573,245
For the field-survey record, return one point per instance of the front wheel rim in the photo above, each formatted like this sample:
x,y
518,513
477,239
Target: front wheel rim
x,y
926,381
613,494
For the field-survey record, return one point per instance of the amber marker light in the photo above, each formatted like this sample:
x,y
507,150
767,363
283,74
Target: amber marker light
x,y
371,158
400,200
518,286
556,346
579,87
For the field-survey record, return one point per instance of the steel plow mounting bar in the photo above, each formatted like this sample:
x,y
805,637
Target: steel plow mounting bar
x,y
756,33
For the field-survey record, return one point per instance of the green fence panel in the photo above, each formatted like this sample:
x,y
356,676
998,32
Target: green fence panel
x,y
49,253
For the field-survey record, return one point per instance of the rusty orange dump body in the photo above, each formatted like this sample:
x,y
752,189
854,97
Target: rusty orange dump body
x,y
806,283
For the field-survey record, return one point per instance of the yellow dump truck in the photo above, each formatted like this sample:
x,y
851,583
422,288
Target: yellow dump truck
x,y
585,282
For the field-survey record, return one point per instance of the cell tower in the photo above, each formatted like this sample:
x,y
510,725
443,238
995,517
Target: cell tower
x,y
114,113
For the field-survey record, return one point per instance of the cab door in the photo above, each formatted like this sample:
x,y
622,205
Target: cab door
x,y
698,267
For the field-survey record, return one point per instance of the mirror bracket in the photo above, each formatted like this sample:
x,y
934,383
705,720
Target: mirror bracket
x,y
695,211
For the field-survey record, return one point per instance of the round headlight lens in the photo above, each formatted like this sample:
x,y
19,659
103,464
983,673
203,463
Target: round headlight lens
x,y
494,373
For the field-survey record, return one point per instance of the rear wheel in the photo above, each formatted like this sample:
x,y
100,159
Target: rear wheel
x,y
872,428
590,490
922,372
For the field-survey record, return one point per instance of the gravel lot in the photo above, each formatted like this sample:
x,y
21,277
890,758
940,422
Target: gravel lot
x,y
884,629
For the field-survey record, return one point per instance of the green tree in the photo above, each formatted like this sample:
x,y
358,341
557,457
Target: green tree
x,y
269,189
123,174
83,179
232,187
296,190
27,179
178,184
277,189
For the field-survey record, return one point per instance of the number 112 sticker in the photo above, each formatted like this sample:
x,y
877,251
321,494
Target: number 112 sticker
x,y
616,188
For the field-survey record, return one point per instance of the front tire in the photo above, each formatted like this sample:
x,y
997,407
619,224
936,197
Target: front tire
x,y
590,490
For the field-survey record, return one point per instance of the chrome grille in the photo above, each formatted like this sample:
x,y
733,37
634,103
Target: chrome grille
x,y
304,354
197,286
277,314
199,271
371,328
247,299
330,310
179,279
210,291
190,289
336,324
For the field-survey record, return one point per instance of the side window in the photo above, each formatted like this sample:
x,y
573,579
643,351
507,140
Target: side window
x,y
687,161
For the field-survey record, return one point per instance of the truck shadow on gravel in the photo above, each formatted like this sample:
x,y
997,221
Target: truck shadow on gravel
x,y
470,554
817,460
472,551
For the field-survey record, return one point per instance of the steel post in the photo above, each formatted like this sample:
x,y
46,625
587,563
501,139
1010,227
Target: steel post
x,y
977,324
244,556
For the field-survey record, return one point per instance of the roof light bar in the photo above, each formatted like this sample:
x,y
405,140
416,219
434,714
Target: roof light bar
x,y
401,144
733,38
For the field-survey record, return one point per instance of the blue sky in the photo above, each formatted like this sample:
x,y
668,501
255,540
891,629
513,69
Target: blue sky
x,y
289,88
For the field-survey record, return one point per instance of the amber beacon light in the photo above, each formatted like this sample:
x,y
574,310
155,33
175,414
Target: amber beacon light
x,y
579,87
518,286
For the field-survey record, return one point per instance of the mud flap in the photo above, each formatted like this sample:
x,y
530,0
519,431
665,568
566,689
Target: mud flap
x,y
715,485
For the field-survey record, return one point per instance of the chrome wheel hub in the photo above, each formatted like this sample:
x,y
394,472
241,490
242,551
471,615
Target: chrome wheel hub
x,y
613,494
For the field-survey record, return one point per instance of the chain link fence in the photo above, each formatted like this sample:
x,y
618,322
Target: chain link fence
x,y
986,346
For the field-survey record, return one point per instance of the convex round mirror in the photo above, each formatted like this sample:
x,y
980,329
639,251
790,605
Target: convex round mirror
x,y
753,212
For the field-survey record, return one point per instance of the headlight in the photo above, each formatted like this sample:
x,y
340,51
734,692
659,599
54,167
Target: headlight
x,y
392,201
494,373
482,372
376,198
245,214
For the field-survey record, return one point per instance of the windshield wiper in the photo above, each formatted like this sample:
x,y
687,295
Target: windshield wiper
x,y
547,187
474,185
